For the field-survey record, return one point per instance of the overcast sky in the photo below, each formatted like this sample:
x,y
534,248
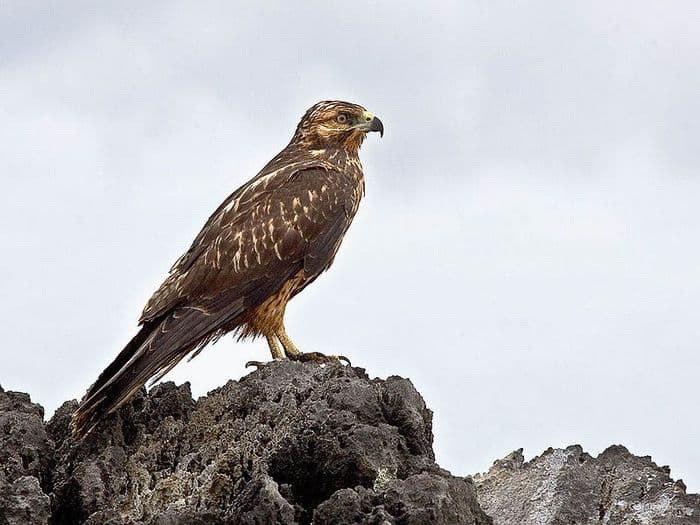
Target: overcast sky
x,y
527,252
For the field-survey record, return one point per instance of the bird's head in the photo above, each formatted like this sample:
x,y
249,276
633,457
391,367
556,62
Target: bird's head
x,y
336,123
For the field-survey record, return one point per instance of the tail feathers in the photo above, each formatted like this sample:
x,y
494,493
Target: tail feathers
x,y
113,385
157,348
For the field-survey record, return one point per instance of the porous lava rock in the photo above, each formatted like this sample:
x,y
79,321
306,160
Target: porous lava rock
x,y
291,443
298,443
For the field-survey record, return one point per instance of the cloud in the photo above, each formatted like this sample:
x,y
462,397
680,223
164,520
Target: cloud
x,y
527,250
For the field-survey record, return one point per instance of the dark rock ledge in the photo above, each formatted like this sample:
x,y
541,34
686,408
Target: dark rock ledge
x,y
296,443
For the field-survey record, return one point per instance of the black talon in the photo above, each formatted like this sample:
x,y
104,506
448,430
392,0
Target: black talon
x,y
258,364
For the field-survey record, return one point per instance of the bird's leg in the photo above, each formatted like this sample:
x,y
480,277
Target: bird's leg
x,y
289,347
295,354
274,347
274,350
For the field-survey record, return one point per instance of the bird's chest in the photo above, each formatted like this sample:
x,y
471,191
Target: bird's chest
x,y
356,189
353,202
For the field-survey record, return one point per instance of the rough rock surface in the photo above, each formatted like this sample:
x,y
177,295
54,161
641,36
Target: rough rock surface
x,y
296,443
25,461
290,443
568,486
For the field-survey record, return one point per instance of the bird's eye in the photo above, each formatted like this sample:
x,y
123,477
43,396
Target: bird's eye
x,y
342,118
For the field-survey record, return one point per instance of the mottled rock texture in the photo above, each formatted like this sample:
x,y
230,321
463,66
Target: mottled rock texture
x,y
570,487
26,455
296,443
291,443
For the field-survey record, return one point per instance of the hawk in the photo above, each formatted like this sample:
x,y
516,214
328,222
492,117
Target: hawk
x,y
268,240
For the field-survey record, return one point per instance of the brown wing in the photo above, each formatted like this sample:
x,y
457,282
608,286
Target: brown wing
x,y
257,240
261,235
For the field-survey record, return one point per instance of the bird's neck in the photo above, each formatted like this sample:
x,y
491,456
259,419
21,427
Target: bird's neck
x,y
340,158
332,156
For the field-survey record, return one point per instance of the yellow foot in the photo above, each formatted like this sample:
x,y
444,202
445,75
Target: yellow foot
x,y
317,357
304,357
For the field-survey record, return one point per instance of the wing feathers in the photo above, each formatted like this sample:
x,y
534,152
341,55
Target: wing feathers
x,y
260,237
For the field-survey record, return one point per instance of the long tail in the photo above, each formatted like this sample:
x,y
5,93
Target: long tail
x,y
154,351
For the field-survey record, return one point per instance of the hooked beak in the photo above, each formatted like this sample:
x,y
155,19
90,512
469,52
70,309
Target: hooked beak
x,y
371,123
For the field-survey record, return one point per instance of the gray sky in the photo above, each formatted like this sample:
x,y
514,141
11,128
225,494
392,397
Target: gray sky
x,y
527,252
